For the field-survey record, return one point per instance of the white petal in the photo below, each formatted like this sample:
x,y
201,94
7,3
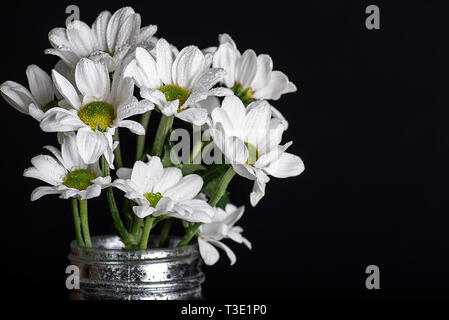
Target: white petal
x,y
226,57
146,176
146,70
47,169
128,31
43,191
275,88
80,36
234,214
188,66
256,123
69,57
235,110
226,38
91,144
41,85
35,112
92,191
208,79
197,116
66,89
201,211
124,173
114,25
56,153
247,68
288,165
264,68
99,28
257,193
208,252
61,120
146,34
143,211
155,96
132,109
164,57
92,79
17,96
70,154
229,252
245,171
187,188
273,154
133,126
170,177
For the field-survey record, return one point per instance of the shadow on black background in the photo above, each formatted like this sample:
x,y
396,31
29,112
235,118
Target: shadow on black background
x,y
369,120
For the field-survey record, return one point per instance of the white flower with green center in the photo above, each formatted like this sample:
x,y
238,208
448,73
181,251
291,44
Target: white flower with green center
x,y
110,39
250,140
251,76
176,83
95,109
221,227
163,191
67,173
42,97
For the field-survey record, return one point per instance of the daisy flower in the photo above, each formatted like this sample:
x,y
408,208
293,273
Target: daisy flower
x,y
175,83
163,191
221,227
43,95
110,38
250,140
95,108
67,173
250,76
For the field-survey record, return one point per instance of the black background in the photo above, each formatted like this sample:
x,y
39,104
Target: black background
x,y
369,121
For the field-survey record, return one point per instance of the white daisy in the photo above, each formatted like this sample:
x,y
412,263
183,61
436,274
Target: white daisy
x,y
250,139
94,109
163,191
67,173
176,83
221,227
42,97
111,38
250,76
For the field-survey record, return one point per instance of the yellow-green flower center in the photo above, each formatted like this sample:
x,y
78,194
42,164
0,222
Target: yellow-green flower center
x,y
244,94
79,179
173,92
51,104
253,153
153,198
97,114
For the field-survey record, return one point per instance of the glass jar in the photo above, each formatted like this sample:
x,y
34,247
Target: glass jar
x,y
108,272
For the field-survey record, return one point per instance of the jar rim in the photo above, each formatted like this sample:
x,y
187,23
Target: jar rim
x,y
100,252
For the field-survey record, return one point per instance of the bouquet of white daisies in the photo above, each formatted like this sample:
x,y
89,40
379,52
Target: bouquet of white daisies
x,y
219,93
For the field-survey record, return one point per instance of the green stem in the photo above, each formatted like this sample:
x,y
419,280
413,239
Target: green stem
x,y
118,154
165,232
195,151
85,222
164,127
146,232
76,221
118,224
191,231
137,225
227,177
224,182
145,119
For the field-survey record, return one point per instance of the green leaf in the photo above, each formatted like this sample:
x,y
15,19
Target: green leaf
x,y
191,168
212,180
